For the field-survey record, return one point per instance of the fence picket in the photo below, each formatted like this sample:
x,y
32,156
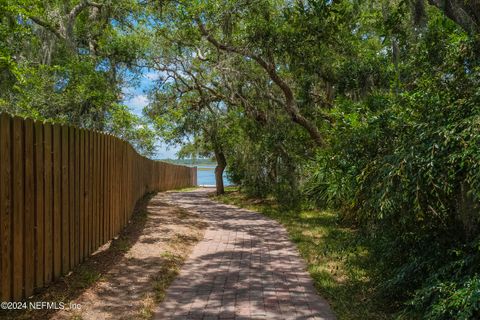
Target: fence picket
x,y
5,208
57,203
48,202
29,210
65,195
39,207
18,207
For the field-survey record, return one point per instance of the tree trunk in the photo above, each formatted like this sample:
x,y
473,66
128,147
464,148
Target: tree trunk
x,y
464,13
221,164
93,16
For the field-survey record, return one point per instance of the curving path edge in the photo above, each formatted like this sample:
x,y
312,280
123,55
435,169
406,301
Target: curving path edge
x,y
244,268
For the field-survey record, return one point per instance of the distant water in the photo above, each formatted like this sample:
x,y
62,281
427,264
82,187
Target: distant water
x,y
206,176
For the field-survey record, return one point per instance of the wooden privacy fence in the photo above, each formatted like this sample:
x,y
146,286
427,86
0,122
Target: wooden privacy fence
x,y
64,192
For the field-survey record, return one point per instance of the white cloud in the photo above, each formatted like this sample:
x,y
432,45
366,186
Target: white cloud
x,y
138,101
152,76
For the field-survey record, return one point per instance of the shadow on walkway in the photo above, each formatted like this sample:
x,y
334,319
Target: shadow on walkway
x,y
244,268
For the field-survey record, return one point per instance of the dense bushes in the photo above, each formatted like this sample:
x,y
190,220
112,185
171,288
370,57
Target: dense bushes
x,y
408,173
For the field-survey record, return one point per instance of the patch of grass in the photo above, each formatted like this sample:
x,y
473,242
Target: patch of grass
x,y
121,244
160,282
179,245
85,277
166,274
205,169
146,311
231,189
337,257
182,213
184,189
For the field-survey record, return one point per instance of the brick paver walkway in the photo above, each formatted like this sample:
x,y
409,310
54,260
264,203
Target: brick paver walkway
x,y
244,268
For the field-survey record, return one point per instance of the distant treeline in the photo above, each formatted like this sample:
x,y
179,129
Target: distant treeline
x,y
203,161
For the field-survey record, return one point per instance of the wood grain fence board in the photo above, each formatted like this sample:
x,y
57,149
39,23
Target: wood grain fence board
x,y
98,188
57,202
109,179
92,194
71,191
88,188
29,209
105,188
98,164
102,195
86,168
93,148
39,207
65,194
124,184
77,175
97,191
120,184
110,187
114,187
130,182
116,192
48,202
90,198
113,194
5,208
93,144
81,218
18,207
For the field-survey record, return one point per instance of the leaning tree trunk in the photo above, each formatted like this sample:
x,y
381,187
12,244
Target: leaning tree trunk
x,y
221,164
464,13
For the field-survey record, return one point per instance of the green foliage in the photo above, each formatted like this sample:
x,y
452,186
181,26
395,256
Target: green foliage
x,y
70,66
451,291
122,123
404,166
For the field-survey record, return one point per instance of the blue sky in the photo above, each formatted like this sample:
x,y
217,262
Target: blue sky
x,y
136,98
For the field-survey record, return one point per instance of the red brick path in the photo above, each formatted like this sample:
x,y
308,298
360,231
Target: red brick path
x,y
244,268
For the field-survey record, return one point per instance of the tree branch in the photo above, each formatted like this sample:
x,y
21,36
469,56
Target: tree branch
x,y
81,6
290,104
47,26
464,13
